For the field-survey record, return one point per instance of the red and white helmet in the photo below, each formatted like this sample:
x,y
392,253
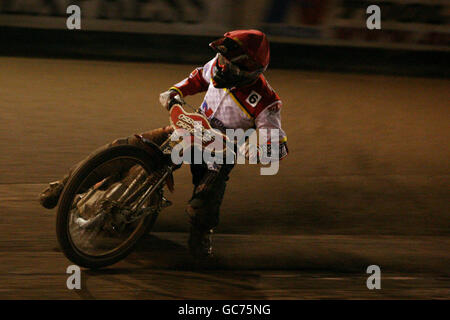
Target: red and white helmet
x,y
242,56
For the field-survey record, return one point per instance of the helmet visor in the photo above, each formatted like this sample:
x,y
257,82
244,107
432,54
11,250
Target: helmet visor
x,y
236,70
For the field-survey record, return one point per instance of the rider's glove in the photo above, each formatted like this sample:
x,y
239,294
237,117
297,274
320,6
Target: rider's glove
x,y
168,97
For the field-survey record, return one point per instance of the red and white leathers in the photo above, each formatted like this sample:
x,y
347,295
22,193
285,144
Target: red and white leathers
x,y
254,106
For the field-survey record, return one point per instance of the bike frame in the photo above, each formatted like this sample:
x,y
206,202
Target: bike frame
x,y
179,119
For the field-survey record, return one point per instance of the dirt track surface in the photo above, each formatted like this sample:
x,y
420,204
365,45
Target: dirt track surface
x,y
366,182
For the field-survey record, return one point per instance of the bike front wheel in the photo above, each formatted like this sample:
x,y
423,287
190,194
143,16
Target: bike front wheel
x,y
110,202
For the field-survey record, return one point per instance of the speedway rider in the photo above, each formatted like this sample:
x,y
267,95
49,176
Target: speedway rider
x,y
238,96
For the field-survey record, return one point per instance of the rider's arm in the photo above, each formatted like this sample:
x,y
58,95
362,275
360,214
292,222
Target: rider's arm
x,y
270,118
198,81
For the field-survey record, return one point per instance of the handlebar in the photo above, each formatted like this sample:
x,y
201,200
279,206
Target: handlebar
x,y
179,100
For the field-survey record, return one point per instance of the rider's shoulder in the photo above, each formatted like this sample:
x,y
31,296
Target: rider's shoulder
x,y
258,96
262,87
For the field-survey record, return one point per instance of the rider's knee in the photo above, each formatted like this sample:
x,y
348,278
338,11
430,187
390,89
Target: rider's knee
x,y
158,136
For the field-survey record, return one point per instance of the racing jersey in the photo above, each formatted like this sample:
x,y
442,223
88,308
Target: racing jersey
x,y
255,106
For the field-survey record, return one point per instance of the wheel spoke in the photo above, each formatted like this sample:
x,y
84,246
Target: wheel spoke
x,y
113,207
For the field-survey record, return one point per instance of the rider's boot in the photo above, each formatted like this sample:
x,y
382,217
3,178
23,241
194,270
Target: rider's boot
x,y
200,243
201,228
49,196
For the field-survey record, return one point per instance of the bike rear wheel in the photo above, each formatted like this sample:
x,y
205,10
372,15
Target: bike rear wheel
x,y
102,213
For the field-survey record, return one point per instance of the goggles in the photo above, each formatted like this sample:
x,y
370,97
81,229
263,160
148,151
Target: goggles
x,y
235,68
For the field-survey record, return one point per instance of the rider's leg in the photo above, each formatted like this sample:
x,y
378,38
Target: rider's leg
x,y
204,207
50,196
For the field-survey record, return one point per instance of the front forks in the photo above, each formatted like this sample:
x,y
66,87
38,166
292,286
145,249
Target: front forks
x,y
134,203
152,184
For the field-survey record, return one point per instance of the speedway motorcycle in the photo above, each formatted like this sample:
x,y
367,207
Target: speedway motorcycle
x,y
115,196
